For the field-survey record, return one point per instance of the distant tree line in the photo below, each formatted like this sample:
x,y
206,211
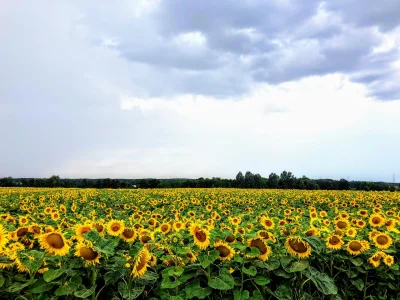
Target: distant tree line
x,y
286,180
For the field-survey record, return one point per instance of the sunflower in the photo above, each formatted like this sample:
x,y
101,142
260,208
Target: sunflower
x,y
3,237
165,228
342,224
351,232
355,247
115,227
191,256
235,220
334,242
99,227
141,263
375,259
145,236
55,243
178,226
388,260
21,232
376,220
264,249
225,251
23,220
82,229
382,241
201,236
312,232
230,238
128,235
268,223
87,252
390,224
55,216
296,246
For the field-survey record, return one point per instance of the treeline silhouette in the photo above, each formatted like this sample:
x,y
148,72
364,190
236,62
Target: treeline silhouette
x,y
286,180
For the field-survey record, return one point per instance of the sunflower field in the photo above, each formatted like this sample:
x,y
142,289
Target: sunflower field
x,y
198,244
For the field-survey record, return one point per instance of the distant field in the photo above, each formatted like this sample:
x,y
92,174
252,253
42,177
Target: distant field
x,y
198,244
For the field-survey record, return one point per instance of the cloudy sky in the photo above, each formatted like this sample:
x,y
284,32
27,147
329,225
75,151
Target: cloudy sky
x,y
168,88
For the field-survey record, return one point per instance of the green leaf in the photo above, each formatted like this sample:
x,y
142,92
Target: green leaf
x,y
83,292
292,266
238,258
252,271
166,283
262,280
254,251
101,244
241,295
193,290
175,271
316,243
282,273
238,245
50,275
323,282
272,264
16,287
32,259
64,290
2,280
358,261
256,296
206,260
358,283
283,292
42,288
223,282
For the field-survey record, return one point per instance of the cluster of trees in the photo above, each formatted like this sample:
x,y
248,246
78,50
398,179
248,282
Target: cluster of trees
x,y
286,180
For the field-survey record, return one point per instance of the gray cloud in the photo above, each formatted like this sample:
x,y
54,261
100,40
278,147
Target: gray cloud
x,y
249,41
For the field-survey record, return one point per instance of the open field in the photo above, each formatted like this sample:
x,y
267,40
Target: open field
x,y
198,244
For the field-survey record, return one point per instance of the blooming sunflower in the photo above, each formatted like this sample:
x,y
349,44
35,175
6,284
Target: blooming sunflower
x,y
115,227
375,259
342,224
87,252
268,223
165,228
382,241
128,235
264,249
225,251
351,232
201,236
297,247
388,260
355,247
3,237
334,242
141,263
376,220
82,229
191,256
54,242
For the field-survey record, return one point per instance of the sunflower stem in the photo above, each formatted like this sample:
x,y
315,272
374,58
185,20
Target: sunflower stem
x,y
94,277
365,285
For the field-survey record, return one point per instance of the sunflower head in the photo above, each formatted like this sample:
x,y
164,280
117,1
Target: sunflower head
x,y
141,263
334,242
115,227
225,251
297,247
55,243
128,235
87,253
376,220
356,247
388,260
201,236
265,250
382,241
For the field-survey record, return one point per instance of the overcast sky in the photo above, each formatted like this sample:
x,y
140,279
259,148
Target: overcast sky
x,y
206,88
